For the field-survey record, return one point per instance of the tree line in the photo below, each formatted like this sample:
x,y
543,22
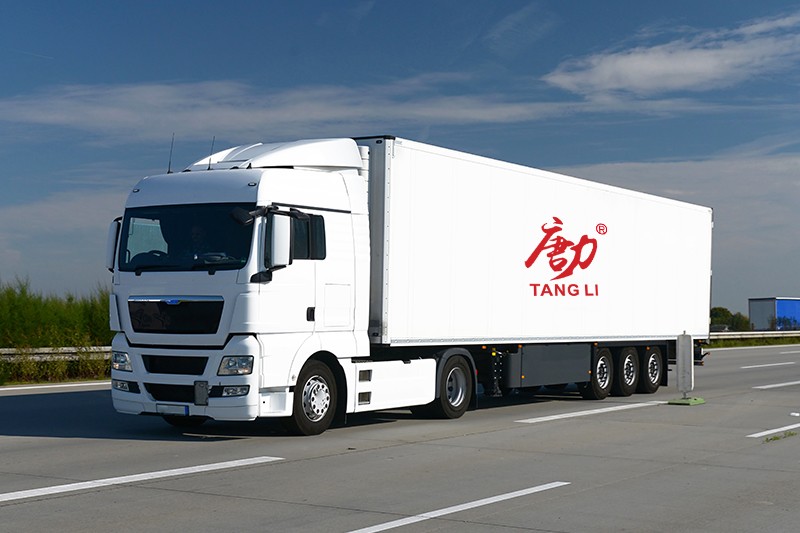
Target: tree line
x,y
723,318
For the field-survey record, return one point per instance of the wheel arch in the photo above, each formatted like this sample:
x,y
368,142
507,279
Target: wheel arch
x,y
441,359
332,362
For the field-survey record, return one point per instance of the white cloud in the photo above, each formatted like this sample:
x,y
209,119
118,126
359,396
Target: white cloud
x,y
518,30
195,111
58,242
121,114
700,62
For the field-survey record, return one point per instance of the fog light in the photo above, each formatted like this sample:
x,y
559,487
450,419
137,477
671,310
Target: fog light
x,y
236,365
240,390
125,386
121,361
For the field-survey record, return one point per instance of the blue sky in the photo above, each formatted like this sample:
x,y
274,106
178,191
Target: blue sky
x,y
697,101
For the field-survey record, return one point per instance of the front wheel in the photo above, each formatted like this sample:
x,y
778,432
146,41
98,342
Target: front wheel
x,y
455,389
599,386
314,400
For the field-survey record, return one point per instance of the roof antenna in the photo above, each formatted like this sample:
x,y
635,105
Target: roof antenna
x,y
214,138
171,146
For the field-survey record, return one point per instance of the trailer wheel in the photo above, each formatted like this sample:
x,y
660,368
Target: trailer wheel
x,y
455,389
652,366
626,378
599,385
314,400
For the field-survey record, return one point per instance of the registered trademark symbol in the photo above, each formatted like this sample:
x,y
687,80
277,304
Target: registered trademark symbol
x,y
602,229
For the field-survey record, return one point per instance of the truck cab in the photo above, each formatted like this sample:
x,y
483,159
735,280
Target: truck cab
x,y
230,276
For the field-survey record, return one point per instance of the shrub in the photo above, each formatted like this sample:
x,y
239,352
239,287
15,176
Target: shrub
x,y
29,320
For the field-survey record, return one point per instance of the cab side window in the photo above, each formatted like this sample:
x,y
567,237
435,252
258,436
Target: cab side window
x,y
309,238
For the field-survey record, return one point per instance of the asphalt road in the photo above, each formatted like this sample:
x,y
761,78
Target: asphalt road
x,y
552,462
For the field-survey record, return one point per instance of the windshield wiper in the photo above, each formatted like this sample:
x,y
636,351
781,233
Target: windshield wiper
x,y
141,268
212,266
215,257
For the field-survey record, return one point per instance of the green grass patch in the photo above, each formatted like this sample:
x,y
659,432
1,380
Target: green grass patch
x,y
30,320
25,369
743,343
786,435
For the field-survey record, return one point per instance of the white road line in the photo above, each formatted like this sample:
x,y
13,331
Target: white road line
x,y
771,431
778,385
148,476
458,508
786,353
765,366
589,412
61,386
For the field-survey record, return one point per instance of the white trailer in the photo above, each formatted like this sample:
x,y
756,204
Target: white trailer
x,y
311,279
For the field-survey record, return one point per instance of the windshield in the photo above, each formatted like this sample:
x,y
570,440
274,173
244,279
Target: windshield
x,y
184,237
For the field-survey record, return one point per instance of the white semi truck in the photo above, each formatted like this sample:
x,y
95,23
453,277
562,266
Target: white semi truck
x,y
311,279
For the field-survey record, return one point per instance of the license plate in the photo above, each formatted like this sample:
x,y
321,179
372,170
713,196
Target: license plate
x,y
169,409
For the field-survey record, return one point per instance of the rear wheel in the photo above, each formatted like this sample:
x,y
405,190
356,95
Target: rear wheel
x,y
455,389
599,386
314,400
652,365
626,378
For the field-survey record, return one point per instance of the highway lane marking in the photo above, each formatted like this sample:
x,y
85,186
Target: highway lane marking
x,y
590,412
147,476
458,508
770,364
771,431
61,386
786,353
777,385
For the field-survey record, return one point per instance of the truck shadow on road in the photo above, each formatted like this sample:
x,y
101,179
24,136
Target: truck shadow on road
x,y
90,415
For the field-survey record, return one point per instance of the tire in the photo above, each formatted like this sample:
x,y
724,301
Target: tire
x,y
652,370
184,421
599,386
455,389
626,378
315,398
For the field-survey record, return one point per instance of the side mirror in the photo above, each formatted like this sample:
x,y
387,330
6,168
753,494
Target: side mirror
x,y
111,243
280,240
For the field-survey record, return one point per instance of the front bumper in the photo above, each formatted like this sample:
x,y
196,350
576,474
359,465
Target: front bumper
x,y
184,382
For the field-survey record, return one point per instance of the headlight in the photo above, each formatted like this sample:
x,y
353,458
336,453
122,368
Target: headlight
x,y
121,361
236,365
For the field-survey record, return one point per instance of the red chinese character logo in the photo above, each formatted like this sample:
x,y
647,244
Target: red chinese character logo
x,y
564,255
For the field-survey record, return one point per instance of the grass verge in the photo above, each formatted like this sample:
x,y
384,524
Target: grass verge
x,y
745,343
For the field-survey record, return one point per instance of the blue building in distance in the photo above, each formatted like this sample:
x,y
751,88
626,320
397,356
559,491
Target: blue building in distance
x,y
774,314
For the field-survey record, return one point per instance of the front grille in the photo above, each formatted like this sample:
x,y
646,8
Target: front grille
x,y
170,393
168,364
177,393
189,315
